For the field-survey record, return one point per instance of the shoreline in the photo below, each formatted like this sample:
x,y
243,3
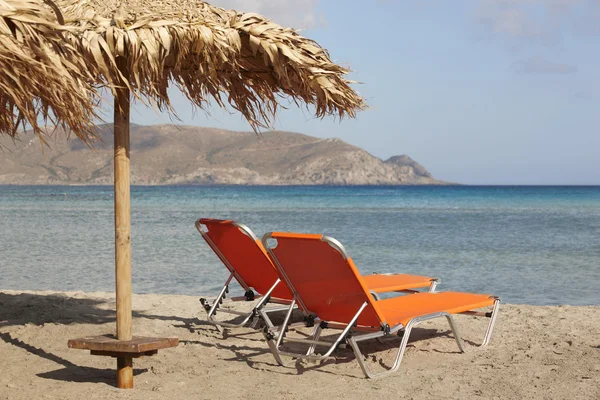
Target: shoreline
x,y
536,351
109,185
232,185
106,295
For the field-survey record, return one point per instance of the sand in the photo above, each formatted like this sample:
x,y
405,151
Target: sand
x,y
536,352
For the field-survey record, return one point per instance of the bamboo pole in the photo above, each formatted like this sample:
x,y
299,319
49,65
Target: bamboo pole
x,y
123,225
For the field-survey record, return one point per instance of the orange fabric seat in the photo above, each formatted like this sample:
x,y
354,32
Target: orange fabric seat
x,y
326,285
400,310
329,285
244,255
240,250
382,283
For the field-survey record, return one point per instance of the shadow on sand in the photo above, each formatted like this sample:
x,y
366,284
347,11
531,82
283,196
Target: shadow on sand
x,y
377,353
40,309
71,372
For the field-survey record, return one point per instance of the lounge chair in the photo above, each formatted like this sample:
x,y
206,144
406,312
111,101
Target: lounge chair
x,y
328,288
247,261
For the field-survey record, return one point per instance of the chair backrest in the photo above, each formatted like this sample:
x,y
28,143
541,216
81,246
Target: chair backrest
x,y
323,278
243,254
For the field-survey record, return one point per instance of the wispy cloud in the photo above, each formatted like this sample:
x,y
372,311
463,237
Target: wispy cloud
x,y
541,65
300,14
583,95
543,21
537,26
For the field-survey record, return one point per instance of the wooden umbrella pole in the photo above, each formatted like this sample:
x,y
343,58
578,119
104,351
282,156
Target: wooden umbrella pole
x,y
123,225
124,347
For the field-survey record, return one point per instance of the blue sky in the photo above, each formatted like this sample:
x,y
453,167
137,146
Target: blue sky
x,y
479,92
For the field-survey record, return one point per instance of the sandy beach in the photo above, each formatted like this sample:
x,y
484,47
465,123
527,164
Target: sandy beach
x,y
536,352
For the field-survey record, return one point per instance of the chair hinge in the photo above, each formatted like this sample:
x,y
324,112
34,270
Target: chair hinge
x,y
205,304
385,329
309,320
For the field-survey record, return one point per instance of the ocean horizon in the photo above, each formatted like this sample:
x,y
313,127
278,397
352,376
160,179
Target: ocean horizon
x,y
527,244
491,185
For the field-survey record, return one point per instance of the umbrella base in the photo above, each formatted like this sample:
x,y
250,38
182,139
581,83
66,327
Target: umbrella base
x,y
124,350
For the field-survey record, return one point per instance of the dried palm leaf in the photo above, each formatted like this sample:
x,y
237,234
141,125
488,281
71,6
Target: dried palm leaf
x,y
43,79
240,59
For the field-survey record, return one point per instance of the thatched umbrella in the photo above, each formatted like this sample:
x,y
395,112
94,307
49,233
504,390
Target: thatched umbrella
x,y
238,59
41,76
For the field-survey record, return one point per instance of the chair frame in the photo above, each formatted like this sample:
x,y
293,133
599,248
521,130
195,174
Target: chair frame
x,y
352,334
259,308
260,301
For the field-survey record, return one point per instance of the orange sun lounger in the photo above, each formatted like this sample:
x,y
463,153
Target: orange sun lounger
x,y
327,286
244,256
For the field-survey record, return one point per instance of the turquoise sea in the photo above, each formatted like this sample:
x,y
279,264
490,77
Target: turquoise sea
x,y
533,245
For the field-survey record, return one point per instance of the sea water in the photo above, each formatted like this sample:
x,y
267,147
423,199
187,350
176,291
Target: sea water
x,y
533,245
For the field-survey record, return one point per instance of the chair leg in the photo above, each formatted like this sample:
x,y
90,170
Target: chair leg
x,y
211,311
251,318
456,332
493,315
315,336
361,359
433,285
254,322
400,354
275,340
490,328
265,316
407,330
273,348
488,333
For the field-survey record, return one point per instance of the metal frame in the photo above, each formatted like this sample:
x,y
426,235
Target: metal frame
x,y
259,309
275,336
350,333
199,227
289,284
260,300
353,341
336,245
432,287
275,339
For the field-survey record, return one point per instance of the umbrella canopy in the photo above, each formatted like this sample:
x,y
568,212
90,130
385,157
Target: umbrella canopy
x,y
238,59
42,78
207,52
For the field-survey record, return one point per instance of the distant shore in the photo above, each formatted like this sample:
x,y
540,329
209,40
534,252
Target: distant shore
x,y
161,154
466,185
536,352
244,185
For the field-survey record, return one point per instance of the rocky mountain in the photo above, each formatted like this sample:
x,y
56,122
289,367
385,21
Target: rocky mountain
x,y
173,154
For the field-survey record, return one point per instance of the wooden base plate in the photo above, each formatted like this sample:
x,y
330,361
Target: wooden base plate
x,y
108,345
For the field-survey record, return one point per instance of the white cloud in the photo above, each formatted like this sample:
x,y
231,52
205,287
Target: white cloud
x,y
541,65
299,14
538,27
542,21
